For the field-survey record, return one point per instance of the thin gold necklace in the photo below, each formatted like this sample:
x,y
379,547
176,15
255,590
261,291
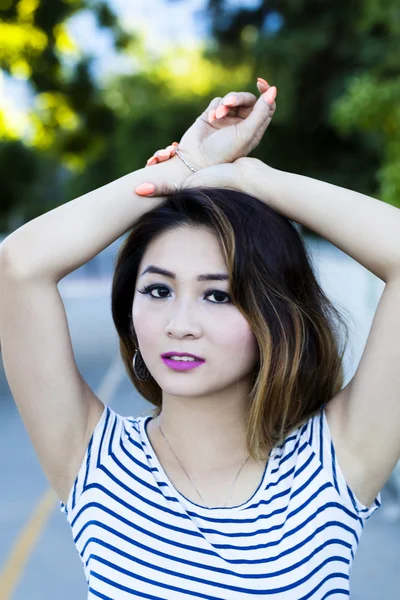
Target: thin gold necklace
x,y
188,476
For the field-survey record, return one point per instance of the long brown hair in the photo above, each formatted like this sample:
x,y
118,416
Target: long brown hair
x,y
273,285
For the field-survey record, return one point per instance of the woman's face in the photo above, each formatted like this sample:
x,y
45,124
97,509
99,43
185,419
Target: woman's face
x,y
187,315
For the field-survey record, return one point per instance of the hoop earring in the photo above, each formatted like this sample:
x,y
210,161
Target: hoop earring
x,y
140,370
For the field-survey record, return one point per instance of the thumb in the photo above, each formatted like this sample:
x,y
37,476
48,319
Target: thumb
x,y
254,125
159,188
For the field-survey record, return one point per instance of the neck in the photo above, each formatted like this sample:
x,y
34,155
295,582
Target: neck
x,y
209,433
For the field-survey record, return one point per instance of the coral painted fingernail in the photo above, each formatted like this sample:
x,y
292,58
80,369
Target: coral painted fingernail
x,y
221,111
270,95
145,188
230,100
211,115
263,81
151,161
175,144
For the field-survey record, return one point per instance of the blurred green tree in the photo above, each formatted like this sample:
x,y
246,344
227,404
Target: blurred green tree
x,y
69,118
336,65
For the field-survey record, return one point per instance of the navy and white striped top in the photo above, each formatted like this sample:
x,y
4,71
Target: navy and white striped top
x,y
138,537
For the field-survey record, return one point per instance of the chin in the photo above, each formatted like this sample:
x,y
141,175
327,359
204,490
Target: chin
x,y
184,388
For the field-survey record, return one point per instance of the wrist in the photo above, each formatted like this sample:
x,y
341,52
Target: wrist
x,y
173,168
260,180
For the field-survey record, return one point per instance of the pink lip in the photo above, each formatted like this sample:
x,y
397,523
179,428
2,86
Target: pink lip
x,y
172,353
181,366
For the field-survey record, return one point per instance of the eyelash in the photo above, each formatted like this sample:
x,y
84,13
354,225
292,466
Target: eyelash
x,y
149,288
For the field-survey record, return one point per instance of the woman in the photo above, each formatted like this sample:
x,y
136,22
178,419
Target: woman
x,y
256,471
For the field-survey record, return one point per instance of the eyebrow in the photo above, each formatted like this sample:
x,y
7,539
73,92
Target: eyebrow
x,y
205,277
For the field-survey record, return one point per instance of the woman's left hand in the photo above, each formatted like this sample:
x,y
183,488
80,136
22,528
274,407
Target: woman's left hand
x,y
238,130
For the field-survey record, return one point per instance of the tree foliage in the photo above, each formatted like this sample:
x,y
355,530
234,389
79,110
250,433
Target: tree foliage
x,y
337,68
69,117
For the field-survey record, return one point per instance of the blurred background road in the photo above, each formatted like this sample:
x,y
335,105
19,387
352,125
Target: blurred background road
x,y
53,568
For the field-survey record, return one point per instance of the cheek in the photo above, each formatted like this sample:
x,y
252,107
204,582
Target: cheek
x,y
236,340
145,322
227,334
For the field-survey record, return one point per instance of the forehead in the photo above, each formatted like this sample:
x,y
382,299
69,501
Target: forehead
x,y
185,250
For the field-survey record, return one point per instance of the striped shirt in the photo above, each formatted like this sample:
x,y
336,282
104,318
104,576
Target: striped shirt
x,y
138,537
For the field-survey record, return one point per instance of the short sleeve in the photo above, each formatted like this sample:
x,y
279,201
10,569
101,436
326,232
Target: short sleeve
x,y
320,440
101,445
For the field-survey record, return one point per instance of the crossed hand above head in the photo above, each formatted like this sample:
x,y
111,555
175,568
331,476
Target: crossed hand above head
x,y
228,130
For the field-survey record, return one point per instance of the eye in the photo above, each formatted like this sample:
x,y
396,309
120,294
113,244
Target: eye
x,y
150,288
218,293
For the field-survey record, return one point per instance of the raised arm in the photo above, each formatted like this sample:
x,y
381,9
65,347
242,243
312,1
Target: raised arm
x,y
365,416
366,229
65,238
58,408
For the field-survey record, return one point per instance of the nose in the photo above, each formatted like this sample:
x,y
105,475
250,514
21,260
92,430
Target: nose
x,y
182,320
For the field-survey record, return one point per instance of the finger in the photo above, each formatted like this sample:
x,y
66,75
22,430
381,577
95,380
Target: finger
x,y
151,188
205,115
221,111
162,154
270,95
239,99
236,104
254,126
153,160
171,150
240,112
243,101
211,115
213,104
262,85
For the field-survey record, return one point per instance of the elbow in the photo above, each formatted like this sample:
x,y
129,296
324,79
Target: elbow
x,y
10,264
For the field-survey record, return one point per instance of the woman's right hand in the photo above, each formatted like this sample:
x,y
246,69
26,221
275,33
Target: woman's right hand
x,y
211,141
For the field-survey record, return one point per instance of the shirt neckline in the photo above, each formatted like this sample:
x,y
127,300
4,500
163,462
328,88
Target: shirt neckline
x,y
189,503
